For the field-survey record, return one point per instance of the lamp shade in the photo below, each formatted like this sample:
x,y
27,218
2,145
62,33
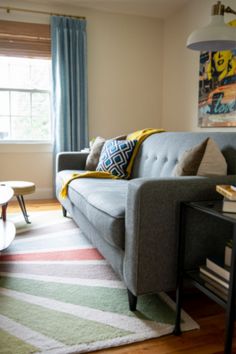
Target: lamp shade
x,y
216,36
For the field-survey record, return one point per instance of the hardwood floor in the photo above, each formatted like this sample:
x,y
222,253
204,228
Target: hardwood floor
x,y
209,339
34,205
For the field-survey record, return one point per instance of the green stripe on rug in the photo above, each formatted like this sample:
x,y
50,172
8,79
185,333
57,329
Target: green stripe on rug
x,y
9,343
150,307
63,327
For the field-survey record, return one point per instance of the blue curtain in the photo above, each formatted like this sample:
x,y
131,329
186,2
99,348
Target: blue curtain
x,y
69,87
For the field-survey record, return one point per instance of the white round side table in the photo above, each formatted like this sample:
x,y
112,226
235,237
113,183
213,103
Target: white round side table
x,y
20,189
7,228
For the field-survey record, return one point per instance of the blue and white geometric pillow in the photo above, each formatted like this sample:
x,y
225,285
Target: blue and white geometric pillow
x,y
115,156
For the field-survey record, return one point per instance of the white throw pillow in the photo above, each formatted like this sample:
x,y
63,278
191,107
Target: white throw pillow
x,y
213,162
205,159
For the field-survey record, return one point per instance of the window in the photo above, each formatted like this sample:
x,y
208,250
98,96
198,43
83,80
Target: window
x,y
25,62
25,99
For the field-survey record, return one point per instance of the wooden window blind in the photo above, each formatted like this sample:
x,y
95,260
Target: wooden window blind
x,y
25,39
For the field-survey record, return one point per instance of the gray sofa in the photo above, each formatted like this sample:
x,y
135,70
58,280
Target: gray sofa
x,y
133,222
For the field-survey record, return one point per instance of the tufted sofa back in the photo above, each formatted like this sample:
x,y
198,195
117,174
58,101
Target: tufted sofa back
x,y
159,153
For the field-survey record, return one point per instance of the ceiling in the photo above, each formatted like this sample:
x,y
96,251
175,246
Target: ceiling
x,y
150,8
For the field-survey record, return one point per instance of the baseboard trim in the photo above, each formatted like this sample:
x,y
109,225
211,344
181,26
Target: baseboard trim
x,y
41,193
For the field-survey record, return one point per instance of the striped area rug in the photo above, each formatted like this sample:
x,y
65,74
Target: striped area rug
x,y
58,294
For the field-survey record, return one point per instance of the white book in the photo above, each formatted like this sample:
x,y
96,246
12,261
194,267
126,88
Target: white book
x,y
218,266
229,206
213,283
219,293
214,276
228,255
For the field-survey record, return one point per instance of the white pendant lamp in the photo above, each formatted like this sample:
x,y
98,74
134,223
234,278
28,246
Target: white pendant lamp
x,y
217,35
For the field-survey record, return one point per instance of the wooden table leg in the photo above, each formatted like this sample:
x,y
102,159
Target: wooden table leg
x,y
4,212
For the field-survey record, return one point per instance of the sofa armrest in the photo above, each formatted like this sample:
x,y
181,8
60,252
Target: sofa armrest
x,y
151,224
71,161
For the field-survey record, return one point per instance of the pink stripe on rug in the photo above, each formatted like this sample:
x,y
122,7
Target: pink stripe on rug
x,y
81,254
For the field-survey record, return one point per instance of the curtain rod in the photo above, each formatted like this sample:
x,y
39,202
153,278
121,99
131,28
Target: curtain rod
x,y
8,9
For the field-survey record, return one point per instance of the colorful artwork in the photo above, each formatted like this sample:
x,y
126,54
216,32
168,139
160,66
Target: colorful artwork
x,y
217,88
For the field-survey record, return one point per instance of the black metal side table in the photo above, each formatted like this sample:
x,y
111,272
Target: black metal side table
x,y
213,209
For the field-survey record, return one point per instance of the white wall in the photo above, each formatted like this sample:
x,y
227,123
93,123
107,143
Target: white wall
x,y
140,74
125,73
181,66
124,85
28,163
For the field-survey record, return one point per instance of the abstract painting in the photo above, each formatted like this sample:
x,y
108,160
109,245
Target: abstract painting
x,y
217,88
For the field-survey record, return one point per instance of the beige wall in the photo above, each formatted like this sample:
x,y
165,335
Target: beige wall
x,y
28,163
181,65
125,73
124,86
140,74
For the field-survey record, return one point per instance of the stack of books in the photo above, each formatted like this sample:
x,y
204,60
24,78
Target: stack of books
x,y
216,273
229,194
228,253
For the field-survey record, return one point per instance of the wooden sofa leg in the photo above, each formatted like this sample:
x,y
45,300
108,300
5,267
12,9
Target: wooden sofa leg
x,y
64,212
132,301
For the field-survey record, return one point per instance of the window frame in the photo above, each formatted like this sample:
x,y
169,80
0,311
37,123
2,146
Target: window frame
x,y
32,41
31,91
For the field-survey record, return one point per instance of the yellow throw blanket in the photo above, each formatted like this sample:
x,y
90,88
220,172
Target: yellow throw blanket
x,y
139,135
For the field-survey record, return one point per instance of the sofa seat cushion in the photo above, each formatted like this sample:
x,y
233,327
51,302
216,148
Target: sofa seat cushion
x,y
102,201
